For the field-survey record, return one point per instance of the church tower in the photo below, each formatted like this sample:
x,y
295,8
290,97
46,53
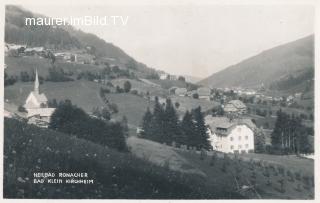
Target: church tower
x,y
36,83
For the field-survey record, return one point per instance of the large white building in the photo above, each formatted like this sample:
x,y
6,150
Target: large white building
x,y
38,112
231,135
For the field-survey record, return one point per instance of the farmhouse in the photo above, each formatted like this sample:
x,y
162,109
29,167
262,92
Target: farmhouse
x,y
204,93
163,76
235,106
231,135
181,92
34,50
37,106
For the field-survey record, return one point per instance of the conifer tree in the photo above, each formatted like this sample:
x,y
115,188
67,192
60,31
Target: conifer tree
x,y
201,129
157,129
171,123
187,130
147,124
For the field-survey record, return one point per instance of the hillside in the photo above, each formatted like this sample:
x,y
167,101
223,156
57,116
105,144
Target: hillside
x,y
64,38
84,94
116,175
269,67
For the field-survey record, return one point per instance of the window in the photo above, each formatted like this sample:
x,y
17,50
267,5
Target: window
x,y
231,138
239,129
247,137
231,147
239,137
247,145
239,146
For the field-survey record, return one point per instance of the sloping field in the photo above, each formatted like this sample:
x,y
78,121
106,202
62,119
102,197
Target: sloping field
x,y
161,155
141,86
131,106
84,94
30,63
166,84
116,175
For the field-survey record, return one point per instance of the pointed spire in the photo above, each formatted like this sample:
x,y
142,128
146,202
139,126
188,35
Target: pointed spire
x,y
36,83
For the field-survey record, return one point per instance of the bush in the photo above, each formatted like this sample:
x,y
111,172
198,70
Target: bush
x,y
195,96
290,175
22,109
127,86
213,159
297,175
134,92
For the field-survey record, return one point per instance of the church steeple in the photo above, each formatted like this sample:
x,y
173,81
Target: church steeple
x,y
36,83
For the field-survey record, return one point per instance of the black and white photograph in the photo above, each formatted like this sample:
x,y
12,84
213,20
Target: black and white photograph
x,y
147,100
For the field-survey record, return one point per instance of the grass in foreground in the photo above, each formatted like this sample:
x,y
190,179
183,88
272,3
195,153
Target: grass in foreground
x,y
29,149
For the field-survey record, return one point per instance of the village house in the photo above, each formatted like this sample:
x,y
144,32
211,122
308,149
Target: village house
x,y
231,135
181,92
290,98
163,76
34,50
204,93
36,105
172,77
235,107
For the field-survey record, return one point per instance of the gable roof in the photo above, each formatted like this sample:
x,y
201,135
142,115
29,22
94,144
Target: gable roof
x,y
237,104
45,112
216,123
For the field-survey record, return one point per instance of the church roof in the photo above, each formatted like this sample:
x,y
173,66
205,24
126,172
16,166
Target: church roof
x,y
40,97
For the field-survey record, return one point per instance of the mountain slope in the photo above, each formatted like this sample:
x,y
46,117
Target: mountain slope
x,y
268,67
63,38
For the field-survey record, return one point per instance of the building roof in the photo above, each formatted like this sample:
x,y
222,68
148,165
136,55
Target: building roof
x,y
204,91
180,91
230,108
45,112
237,103
41,98
216,123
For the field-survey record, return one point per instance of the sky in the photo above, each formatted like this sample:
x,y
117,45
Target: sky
x,y
193,39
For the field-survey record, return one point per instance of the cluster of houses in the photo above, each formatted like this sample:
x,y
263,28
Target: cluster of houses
x,y
165,76
79,56
201,92
23,50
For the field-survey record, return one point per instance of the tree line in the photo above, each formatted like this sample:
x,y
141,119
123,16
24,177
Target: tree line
x,y
290,135
163,125
70,119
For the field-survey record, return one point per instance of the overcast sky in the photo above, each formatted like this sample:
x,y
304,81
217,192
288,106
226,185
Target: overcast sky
x,y
191,39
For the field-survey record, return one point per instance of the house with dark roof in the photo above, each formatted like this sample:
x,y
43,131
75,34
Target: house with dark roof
x,y
235,106
231,135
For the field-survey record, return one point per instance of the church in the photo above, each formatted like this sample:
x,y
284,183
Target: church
x,y
37,106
